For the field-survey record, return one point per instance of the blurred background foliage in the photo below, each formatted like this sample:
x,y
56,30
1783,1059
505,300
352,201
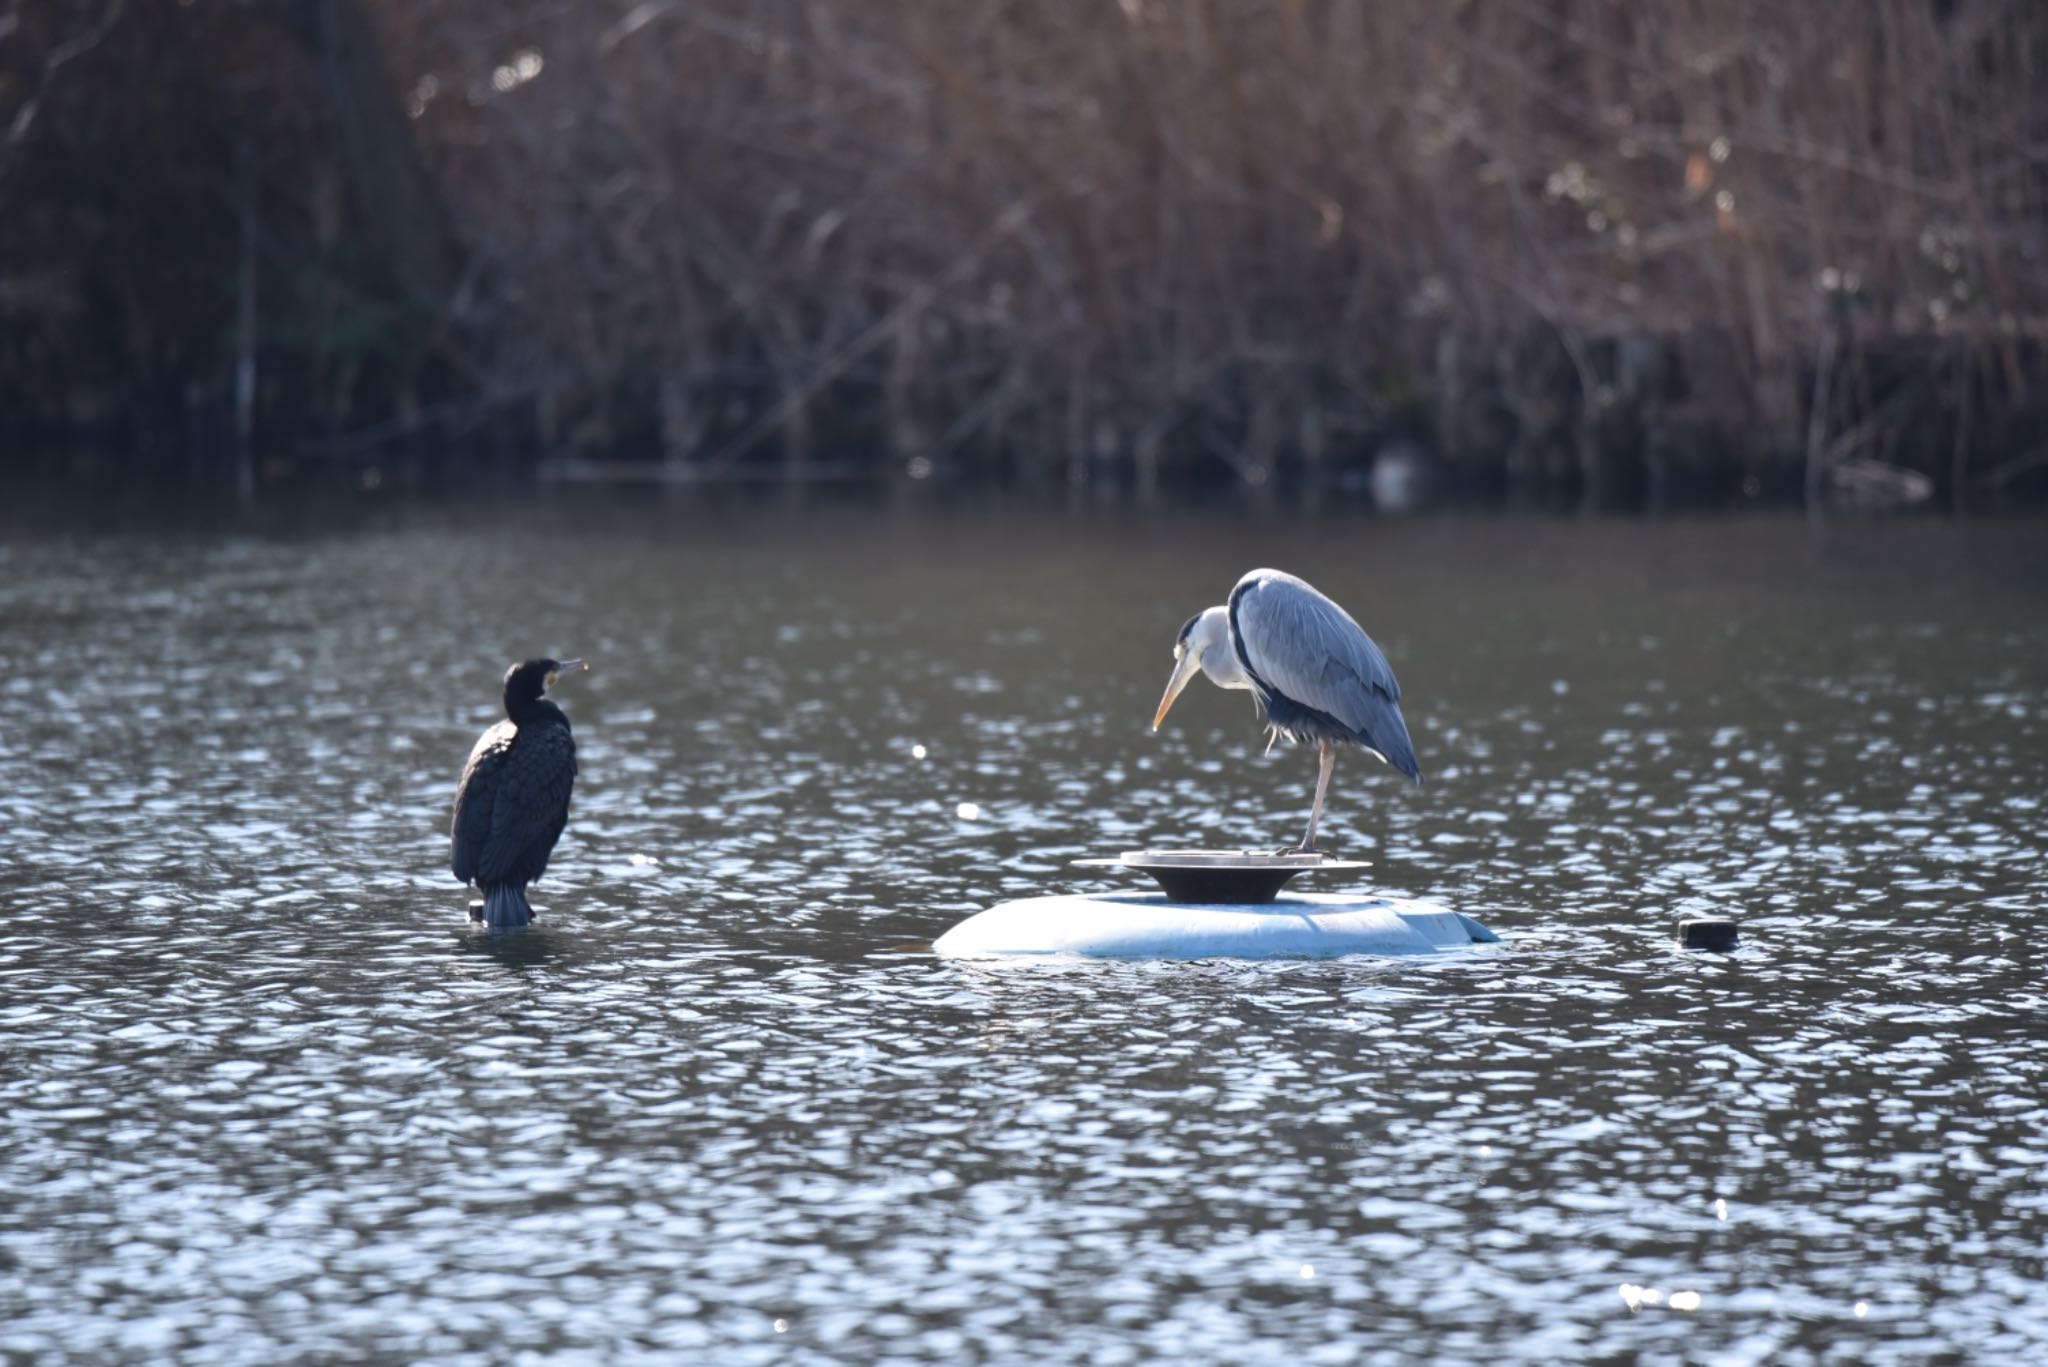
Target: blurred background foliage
x,y
1626,254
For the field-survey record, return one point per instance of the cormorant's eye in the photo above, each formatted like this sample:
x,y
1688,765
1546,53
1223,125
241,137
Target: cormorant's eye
x,y
551,678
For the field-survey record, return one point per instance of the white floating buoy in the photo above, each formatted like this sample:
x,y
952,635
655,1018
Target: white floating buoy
x,y
1145,925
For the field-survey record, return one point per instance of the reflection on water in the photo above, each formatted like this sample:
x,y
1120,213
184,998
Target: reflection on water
x,y
267,1093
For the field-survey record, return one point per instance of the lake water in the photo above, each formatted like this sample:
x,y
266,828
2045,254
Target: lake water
x,y
266,1096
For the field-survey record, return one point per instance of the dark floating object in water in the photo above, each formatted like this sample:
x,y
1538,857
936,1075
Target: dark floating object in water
x,y
1716,933
513,800
1233,877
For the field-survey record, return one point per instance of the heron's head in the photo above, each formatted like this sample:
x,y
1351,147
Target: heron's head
x,y
1205,638
527,681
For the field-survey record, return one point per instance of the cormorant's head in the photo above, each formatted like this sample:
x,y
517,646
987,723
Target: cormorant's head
x,y
527,681
1206,631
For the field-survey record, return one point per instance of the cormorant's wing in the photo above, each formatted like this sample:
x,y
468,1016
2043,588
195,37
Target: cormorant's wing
x,y
1304,645
476,799
532,804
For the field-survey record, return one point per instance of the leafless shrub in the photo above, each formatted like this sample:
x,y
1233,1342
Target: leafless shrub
x,y
1157,239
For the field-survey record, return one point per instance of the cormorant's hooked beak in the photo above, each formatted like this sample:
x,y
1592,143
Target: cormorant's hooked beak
x,y
563,667
1185,667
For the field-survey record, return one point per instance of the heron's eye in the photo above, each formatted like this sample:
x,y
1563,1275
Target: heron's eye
x,y
1179,649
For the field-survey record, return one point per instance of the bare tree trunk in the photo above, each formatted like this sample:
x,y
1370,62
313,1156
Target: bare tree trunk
x,y
245,330
397,209
1817,418
908,434
1959,459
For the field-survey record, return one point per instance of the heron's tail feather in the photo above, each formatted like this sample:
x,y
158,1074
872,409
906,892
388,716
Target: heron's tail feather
x,y
1399,751
1405,762
505,906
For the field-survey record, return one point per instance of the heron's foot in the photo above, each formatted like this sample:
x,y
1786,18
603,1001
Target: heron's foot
x,y
1303,848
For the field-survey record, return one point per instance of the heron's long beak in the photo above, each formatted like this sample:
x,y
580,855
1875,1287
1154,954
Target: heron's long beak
x,y
1184,669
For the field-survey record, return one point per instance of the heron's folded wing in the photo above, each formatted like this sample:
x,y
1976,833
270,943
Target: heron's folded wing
x,y
1306,646
1310,649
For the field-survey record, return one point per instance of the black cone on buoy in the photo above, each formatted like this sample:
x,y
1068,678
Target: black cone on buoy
x,y
1236,877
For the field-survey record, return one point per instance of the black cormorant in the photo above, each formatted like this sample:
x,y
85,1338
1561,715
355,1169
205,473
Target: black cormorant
x,y
1314,673
514,796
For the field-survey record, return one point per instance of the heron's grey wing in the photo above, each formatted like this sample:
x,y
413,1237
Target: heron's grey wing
x,y
532,807
476,799
1310,649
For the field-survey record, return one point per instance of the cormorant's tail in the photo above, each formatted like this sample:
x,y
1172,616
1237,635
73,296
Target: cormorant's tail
x,y
505,906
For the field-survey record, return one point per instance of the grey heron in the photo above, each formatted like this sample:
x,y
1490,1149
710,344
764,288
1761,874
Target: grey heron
x,y
513,800
1313,673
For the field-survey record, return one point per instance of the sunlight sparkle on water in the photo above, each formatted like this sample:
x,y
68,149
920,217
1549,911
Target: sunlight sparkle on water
x,y
732,1069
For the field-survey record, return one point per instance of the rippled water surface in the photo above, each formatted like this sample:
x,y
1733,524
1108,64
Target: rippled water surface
x,y
266,1096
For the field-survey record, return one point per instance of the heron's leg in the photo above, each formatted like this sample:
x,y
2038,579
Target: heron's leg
x,y
1328,754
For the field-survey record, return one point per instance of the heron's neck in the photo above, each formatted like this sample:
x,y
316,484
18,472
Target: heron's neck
x,y
1209,635
1220,664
